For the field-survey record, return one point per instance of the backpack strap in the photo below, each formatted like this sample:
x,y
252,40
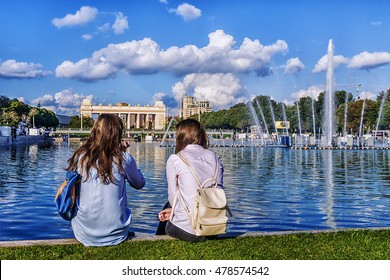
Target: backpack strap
x,y
202,185
214,179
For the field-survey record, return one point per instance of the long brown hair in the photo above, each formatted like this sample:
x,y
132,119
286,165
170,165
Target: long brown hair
x,y
102,148
190,131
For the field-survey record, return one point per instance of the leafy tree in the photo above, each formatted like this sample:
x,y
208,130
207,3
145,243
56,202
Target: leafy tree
x,y
306,114
75,122
43,118
4,102
88,122
385,118
18,107
9,118
370,115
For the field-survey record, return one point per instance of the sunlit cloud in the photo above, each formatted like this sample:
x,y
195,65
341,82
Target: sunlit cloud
x,y
146,57
121,24
187,12
84,15
322,64
312,92
293,66
221,90
11,69
64,102
367,60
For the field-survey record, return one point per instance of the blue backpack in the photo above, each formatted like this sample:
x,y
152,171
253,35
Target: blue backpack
x,y
67,194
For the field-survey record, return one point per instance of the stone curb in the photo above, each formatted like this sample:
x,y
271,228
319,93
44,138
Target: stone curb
x,y
150,237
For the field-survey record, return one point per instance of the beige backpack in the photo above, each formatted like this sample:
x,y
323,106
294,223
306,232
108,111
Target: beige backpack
x,y
209,215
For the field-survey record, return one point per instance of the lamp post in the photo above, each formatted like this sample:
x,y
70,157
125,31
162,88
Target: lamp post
x,y
35,112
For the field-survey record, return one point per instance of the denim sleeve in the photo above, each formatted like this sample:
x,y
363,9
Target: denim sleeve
x,y
132,173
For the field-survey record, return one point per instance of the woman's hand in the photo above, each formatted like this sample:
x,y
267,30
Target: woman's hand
x,y
124,145
164,215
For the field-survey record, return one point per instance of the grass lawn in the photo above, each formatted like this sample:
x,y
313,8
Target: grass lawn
x,y
341,245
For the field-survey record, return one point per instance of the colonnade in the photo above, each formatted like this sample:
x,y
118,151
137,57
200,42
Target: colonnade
x,y
134,117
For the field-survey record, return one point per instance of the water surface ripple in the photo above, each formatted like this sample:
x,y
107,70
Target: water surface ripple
x,y
268,189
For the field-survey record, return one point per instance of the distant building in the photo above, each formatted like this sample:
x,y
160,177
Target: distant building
x,y
137,117
189,107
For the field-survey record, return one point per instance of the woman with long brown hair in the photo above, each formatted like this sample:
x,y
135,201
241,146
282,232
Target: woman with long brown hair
x,y
192,147
103,216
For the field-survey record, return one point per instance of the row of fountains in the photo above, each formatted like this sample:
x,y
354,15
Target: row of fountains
x,y
327,139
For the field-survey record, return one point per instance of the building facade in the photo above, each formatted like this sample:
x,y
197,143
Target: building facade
x,y
189,107
134,117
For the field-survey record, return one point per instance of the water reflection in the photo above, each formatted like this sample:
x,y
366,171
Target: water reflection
x,y
330,222
268,189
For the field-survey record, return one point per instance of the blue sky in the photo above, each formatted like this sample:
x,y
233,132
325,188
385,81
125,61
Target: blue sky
x,y
58,52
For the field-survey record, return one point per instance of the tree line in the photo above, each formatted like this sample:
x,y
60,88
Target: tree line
x,y
239,116
14,111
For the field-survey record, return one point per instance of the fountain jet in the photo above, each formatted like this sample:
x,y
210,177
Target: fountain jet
x,y
329,116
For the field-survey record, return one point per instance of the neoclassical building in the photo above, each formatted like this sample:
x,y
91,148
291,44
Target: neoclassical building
x,y
189,107
134,117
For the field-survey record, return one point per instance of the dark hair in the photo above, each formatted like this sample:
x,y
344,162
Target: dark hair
x,y
102,148
190,131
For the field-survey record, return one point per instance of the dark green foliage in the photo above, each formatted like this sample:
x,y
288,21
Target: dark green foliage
x,y
13,111
75,122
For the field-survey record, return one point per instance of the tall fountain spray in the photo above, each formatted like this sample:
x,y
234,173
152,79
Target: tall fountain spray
x,y
263,118
380,113
273,119
257,122
314,118
166,132
329,116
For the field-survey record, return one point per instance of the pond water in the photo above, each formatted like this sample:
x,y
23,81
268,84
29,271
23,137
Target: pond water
x,y
268,189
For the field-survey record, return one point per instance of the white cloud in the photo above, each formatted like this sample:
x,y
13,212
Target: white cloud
x,y
120,24
293,65
146,57
368,95
87,37
65,102
312,92
222,90
104,28
288,102
187,11
84,15
220,39
322,64
366,60
22,99
21,70
164,1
